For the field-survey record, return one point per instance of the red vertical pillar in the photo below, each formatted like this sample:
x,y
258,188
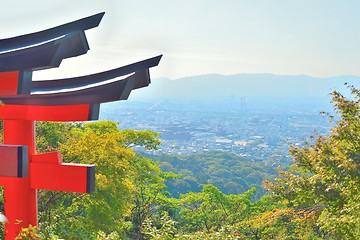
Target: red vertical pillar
x,y
20,204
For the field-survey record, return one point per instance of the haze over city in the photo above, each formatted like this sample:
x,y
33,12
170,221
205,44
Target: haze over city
x,y
317,38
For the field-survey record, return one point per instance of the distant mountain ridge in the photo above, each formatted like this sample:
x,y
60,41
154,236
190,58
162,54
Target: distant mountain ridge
x,y
244,85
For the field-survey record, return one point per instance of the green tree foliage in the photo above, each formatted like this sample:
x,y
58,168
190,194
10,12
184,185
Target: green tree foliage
x,y
280,223
210,209
50,134
112,199
151,197
212,214
230,173
124,180
166,230
327,173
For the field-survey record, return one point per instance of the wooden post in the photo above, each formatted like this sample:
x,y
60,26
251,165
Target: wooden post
x,y
20,200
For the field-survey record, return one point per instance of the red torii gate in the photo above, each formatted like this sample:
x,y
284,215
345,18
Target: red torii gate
x,y
22,171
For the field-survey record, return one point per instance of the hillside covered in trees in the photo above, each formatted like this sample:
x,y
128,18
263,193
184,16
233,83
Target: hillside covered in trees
x,y
231,173
316,198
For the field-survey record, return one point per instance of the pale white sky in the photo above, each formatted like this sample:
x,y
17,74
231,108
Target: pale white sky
x,y
312,37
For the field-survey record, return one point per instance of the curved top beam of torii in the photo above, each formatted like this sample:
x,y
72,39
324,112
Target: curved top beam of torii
x,y
51,33
44,55
47,48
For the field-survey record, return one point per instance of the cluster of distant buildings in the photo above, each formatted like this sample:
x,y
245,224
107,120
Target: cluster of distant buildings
x,y
259,137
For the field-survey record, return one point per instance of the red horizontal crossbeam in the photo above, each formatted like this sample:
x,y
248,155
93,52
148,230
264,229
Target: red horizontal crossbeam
x,y
13,161
48,172
81,112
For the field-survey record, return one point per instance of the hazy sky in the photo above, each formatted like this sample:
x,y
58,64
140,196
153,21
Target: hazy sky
x,y
312,37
